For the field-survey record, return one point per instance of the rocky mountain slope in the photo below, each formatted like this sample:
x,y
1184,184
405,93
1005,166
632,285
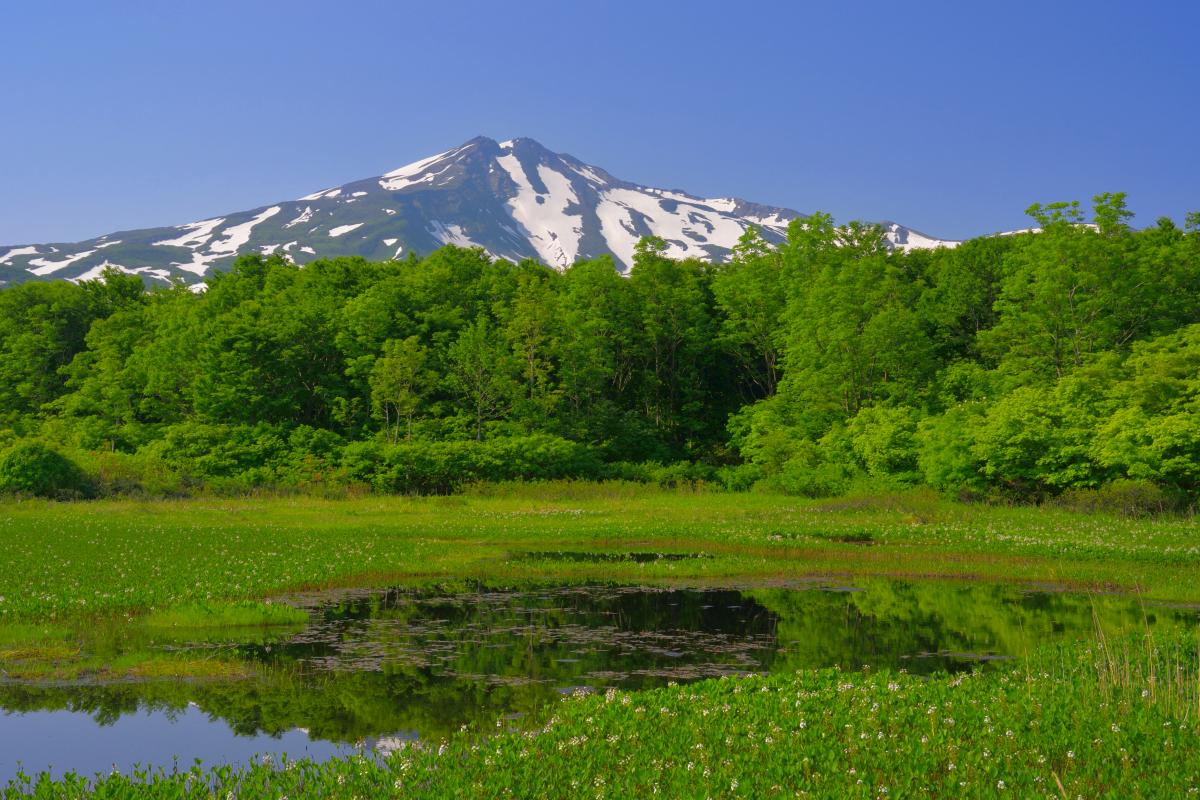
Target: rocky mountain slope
x,y
516,199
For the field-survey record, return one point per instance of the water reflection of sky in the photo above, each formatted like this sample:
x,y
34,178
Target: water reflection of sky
x,y
382,666
59,741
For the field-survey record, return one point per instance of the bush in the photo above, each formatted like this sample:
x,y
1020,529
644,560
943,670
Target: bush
x,y
740,478
683,474
882,441
945,455
421,467
809,474
1130,498
32,468
129,474
241,454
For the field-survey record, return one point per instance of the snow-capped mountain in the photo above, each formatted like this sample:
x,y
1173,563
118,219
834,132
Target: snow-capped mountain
x,y
515,199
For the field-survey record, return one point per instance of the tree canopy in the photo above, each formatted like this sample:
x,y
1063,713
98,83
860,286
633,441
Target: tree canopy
x,y
1058,359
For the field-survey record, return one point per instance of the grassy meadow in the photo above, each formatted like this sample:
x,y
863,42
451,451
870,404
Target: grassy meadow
x,y
1114,718
64,561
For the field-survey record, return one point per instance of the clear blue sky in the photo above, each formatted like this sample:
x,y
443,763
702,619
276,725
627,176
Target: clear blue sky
x,y
950,117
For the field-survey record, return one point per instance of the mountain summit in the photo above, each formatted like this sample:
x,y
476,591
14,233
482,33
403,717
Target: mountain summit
x,y
516,199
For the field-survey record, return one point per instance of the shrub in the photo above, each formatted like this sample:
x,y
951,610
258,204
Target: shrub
x,y
882,440
683,474
809,474
945,455
32,468
1130,498
740,478
129,474
244,454
422,467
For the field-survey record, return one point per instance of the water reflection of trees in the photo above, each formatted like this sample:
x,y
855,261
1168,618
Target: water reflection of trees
x,y
887,623
388,663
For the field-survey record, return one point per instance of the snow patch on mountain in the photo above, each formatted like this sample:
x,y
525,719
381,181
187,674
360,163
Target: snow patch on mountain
x,y
403,177
198,265
903,238
238,235
553,231
197,233
773,221
590,174
304,217
44,266
690,227
18,251
324,193
619,230
341,229
96,272
449,234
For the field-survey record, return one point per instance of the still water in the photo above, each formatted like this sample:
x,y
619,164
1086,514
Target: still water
x,y
373,668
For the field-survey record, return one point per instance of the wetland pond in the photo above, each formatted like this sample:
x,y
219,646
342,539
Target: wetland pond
x,y
372,669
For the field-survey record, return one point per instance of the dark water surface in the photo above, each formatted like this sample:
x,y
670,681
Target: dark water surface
x,y
376,667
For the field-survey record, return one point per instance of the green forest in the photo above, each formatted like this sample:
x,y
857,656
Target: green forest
x,y
1022,367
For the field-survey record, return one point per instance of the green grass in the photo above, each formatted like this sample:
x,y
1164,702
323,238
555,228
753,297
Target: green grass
x,y
1119,718
238,614
124,648
78,560
1055,725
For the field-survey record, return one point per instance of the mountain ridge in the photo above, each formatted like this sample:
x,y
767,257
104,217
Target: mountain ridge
x,y
516,199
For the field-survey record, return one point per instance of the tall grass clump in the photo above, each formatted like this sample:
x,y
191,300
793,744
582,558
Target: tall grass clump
x,y
1160,670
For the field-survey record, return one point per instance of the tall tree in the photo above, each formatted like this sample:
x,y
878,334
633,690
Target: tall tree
x,y
676,332
749,291
481,373
398,379
530,330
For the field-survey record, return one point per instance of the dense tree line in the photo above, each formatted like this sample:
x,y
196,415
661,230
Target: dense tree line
x,y
1023,365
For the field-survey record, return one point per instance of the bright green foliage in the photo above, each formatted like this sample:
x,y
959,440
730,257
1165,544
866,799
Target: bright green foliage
x,y
42,328
424,467
1155,432
32,468
883,441
1020,366
483,374
398,380
749,290
674,355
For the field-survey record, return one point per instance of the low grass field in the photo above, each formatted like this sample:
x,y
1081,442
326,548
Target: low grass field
x,y
71,560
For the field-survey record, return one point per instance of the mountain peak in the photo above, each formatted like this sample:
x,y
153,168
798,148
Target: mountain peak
x,y
516,199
